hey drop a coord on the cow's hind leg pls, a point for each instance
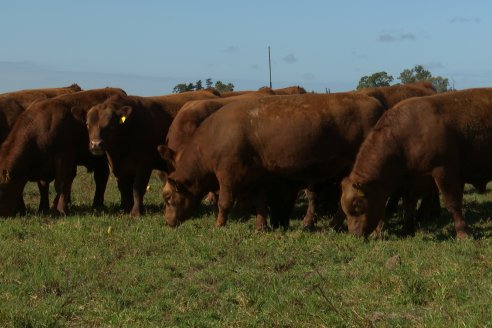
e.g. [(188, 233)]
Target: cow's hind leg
[(225, 203), (452, 191)]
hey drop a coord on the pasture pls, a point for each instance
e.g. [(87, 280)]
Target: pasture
[(105, 269)]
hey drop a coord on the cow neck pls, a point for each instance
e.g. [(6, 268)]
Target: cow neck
[(192, 173), (379, 160)]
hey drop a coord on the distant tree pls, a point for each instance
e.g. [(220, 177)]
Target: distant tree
[(419, 73), (219, 86), (222, 87), (379, 79), (181, 87)]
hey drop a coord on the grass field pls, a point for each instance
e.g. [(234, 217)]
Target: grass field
[(104, 269)]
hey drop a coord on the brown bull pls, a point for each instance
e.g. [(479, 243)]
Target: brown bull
[(46, 143), (300, 139), (128, 130), (446, 136)]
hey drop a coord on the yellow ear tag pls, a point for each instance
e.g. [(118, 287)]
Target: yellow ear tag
[(122, 119), (360, 193)]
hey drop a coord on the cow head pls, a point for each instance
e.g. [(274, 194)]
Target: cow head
[(105, 123), (179, 201), (363, 207)]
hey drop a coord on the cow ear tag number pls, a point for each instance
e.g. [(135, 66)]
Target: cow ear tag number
[(122, 119)]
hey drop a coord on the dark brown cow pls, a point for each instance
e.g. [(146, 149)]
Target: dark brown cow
[(446, 136), (28, 96), (330, 192), (46, 143), (303, 139), (12, 104), (129, 129)]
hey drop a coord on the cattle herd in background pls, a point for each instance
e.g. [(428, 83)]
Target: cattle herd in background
[(255, 148)]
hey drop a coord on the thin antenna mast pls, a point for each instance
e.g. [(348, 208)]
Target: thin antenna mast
[(270, 66)]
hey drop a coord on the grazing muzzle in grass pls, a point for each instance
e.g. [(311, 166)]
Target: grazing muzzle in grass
[(363, 207), (179, 202)]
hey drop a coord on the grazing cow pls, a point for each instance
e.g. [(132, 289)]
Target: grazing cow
[(330, 192), (46, 143), (446, 136), (299, 139), (128, 130)]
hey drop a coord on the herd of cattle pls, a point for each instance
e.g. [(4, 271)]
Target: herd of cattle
[(258, 148)]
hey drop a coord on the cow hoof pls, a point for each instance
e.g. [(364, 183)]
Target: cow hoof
[(263, 228), (462, 235), (309, 227)]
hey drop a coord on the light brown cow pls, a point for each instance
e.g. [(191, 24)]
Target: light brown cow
[(298, 139)]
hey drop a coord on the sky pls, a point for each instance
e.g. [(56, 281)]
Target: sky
[(148, 46)]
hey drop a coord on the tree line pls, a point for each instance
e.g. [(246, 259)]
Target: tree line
[(198, 85), (416, 74)]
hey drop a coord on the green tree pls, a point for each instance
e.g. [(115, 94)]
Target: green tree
[(222, 87), (379, 79), (198, 85), (181, 87), (208, 83), (419, 73)]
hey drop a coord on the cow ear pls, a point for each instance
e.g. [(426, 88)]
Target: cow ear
[(166, 153), (5, 176), (123, 113), (79, 113)]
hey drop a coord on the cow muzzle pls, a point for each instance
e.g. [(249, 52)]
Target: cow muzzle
[(96, 146)]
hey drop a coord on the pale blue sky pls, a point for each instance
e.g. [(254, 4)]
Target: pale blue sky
[(146, 47)]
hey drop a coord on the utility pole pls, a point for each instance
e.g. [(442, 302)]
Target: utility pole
[(270, 66)]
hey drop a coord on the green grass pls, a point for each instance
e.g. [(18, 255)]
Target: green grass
[(105, 269)]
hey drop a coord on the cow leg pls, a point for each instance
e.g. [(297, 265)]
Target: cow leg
[(225, 203), (310, 217), (125, 187), (65, 173), (430, 206), (139, 188), (281, 198), (44, 197), (21, 207), (261, 211), (101, 176), (409, 204), (452, 191), (392, 204)]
